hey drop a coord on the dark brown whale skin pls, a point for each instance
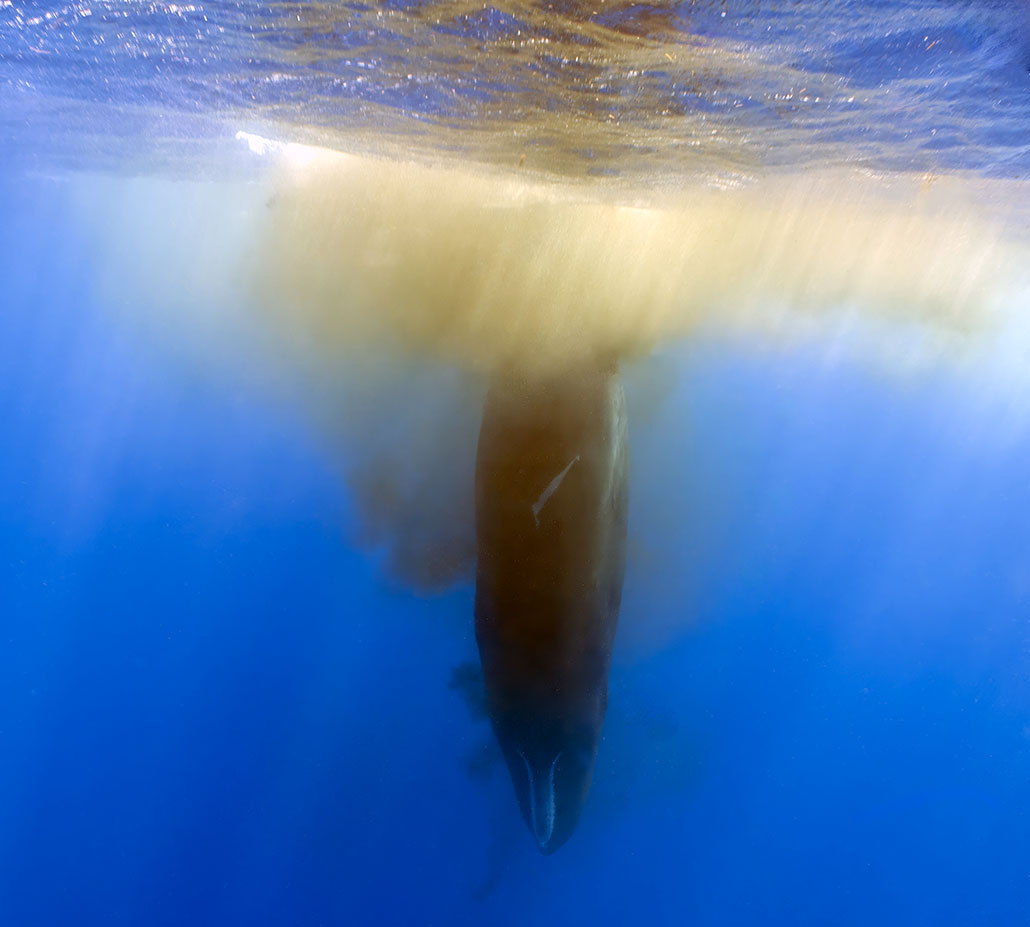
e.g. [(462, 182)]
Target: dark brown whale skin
[(551, 506)]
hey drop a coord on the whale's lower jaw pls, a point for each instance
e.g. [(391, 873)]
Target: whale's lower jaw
[(541, 802), (551, 786)]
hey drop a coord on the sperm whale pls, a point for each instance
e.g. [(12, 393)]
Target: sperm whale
[(551, 506)]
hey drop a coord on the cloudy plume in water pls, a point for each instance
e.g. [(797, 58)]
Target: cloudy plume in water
[(389, 293), (487, 270)]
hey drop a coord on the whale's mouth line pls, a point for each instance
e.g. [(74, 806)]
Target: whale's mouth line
[(541, 806)]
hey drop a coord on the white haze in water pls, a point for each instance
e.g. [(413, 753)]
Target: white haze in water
[(485, 270), (385, 294)]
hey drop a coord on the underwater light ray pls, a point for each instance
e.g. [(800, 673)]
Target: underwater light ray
[(352, 278)]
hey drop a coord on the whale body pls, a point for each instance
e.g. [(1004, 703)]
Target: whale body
[(551, 505)]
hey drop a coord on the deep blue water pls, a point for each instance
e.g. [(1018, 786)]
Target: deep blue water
[(218, 705), (215, 710)]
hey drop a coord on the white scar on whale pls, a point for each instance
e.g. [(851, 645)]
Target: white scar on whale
[(550, 490)]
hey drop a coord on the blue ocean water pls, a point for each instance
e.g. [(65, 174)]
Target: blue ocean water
[(220, 705)]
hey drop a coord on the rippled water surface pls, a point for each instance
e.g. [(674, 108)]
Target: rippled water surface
[(596, 88)]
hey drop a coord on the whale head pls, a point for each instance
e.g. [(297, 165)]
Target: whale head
[(551, 762)]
